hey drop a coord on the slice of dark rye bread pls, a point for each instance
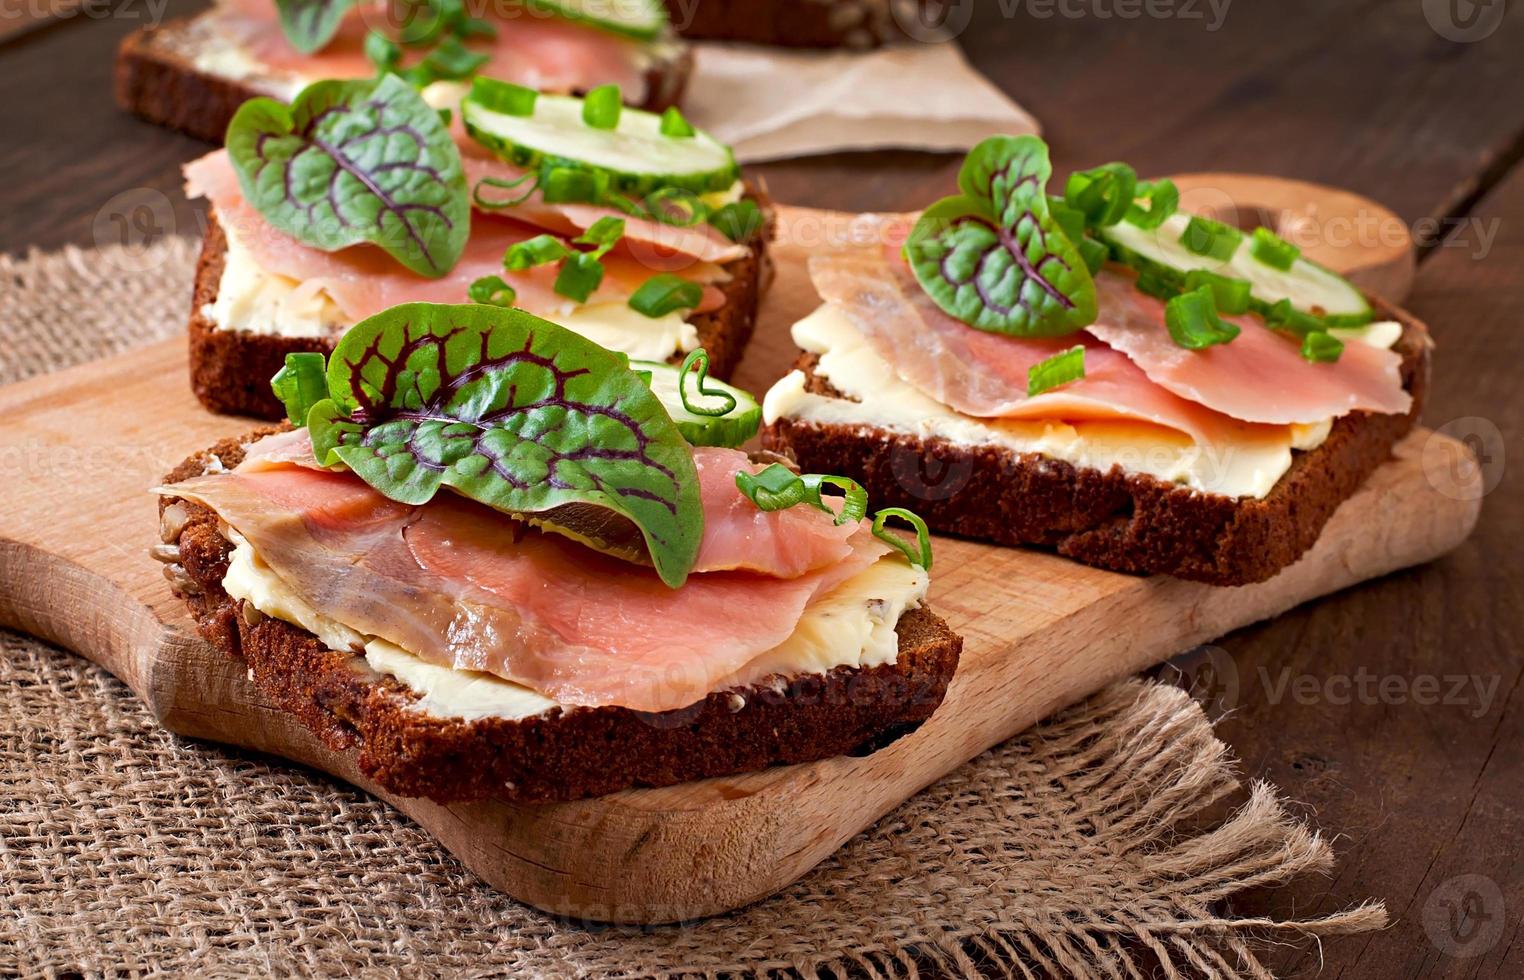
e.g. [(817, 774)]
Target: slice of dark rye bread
[(562, 755), (1112, 519), (794, 23), (156, 78), (230, 370)]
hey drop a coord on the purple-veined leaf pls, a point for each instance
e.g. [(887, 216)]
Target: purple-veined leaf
[(512, 411), (351, 162), (993, 256), (311, 24)]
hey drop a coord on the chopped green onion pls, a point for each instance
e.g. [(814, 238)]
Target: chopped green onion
[(446, 116), (300, 384), (854, 504), (674, 125), (1093, 252), (775, 488), (1163, 200), (501, 183), (675, 206), (580, 275), (492, 291), (1212, 239), (604, 234), (1231, 295), (1060, 369), (666, 293), (698, 360), (1284, 316), (1273, 250), (921, 556), (423, 21), (601, 107), (1322, 347), (474, 27), (778, 488), (452, 61), (504, 97), (739, 221), (1070, 220), (1156, 286), (1193, 322), (1103, 195), (573, 185), (539, 250), (382, 52)]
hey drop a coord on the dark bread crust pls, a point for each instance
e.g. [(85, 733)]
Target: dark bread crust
[(1112, 519), (230, 370), (563, 755), (788, 23), (156, 78)]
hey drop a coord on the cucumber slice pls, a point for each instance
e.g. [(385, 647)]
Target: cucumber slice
[(643, 20), (635, 155), (731, 429), (1310, 287)]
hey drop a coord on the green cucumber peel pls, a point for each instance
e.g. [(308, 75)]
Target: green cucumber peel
[(994, 256), (356, 162), (511, 411)]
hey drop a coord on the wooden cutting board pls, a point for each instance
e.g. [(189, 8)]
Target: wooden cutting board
[(81, 449)]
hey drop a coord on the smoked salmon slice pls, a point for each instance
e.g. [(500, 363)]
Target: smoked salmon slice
[(463, 586), (985, 374), (531, 48), (363, 280), (1260, 376)]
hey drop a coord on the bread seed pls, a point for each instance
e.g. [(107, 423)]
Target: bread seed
[(166, 553), (172, 522)]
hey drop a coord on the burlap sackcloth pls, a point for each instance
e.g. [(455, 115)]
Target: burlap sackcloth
[(125, 850)]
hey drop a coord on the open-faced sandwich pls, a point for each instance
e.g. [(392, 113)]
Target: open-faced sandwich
[(795, 23), (1103, 374), (631, 228), (500, 560), (192, 75)]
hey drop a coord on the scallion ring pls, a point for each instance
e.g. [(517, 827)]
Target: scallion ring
[(699, 360), (775, 488), (501, 184), (854, 503), (922, 535)]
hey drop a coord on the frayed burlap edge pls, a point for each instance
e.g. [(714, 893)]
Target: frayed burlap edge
[(1073, 849)]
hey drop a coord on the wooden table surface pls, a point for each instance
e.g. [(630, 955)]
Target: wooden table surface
[(1392, 713)]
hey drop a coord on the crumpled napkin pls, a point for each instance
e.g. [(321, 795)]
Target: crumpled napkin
[(770, 104)]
